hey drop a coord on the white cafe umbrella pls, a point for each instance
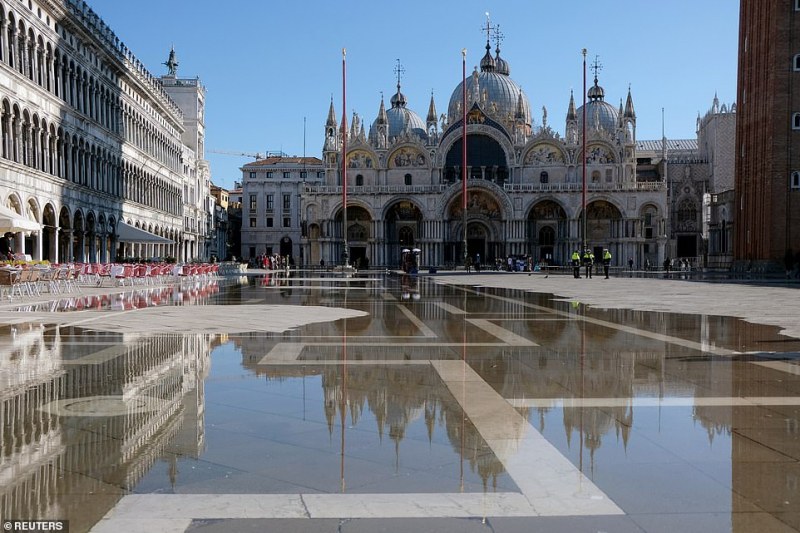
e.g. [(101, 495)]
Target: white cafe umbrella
[(11, 221)]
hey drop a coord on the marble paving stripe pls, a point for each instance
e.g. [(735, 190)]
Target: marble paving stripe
[(388, 296), (424, 329), (288, 353), (749, 401), (452, 309), (350, 362), (510, 338), (142, 525), (699, 346), (283, 352), (553, 485), (782, 366), (159, 508)]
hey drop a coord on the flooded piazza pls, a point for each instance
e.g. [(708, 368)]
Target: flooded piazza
[(382, 402)]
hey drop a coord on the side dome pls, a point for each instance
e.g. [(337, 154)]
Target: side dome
[(599, 113), (399, 119)]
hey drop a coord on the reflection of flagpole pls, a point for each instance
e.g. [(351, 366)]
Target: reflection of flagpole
[(345, 254), (343, 403), (463, 385), (464, 149), (583, 157)]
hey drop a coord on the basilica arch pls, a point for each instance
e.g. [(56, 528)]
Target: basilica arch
[(604, 228), (547, 230), (360, 234), (402, 221), (489, 156), (484, 232)]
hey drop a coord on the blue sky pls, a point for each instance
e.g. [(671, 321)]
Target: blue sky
[(271, 66)]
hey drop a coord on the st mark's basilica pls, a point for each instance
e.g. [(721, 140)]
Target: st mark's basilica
[(525, 181)]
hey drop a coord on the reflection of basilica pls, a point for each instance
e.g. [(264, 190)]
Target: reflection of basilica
[(525, 180), (86, 413)]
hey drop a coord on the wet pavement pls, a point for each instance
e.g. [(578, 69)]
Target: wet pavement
[(492, 402)]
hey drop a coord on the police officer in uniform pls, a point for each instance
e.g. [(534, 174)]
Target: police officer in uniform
[(606, 261), (576, 264), (588, 262)]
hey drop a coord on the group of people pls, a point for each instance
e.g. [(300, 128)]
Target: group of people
[(587, 259), (275, 262)]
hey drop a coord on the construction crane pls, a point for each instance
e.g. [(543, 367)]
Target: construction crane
[(256, 155)]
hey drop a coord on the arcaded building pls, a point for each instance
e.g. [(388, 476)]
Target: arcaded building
[(105, 157)]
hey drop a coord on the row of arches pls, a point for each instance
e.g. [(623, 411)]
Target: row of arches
[(32, 141), (551, 229), (79, 235), (54, 70)]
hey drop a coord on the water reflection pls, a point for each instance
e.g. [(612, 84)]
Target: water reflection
[(89, 416), (75, 437)]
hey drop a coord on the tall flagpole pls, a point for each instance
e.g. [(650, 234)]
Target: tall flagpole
[(583, 157), (464, 149), (345, 253)]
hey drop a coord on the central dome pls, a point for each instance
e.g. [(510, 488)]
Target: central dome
[(498, 95)]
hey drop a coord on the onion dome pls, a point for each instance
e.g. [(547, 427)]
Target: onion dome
[(501, 66)]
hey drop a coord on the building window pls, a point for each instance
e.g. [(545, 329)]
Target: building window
[(270, 202), (287, 222), (797, 5), (252, 251), (303, 175), (359, 180), (269, 222), (596, 176), (795, 180), (252, 201), (252, 222), (408, 179), (320, 174), (796, 121), (252, 175), (544, 177), (609, 175), (287, 202), (797, 62), (269, 174), (287, 175)]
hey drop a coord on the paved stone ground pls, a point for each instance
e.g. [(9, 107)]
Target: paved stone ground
[(771, 303)]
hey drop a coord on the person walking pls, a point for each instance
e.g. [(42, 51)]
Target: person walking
[(630, 263), (606, 261), (588, 262), (576, 264)]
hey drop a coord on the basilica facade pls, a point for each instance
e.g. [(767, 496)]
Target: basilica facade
[(524, 183)]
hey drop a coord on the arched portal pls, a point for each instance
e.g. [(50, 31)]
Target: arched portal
[(286, 247), (484, 227), (403, 224), (547, 228), (359, 234), (603, 225)]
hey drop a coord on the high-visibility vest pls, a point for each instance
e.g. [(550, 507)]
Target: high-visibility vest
[(607, 256)]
